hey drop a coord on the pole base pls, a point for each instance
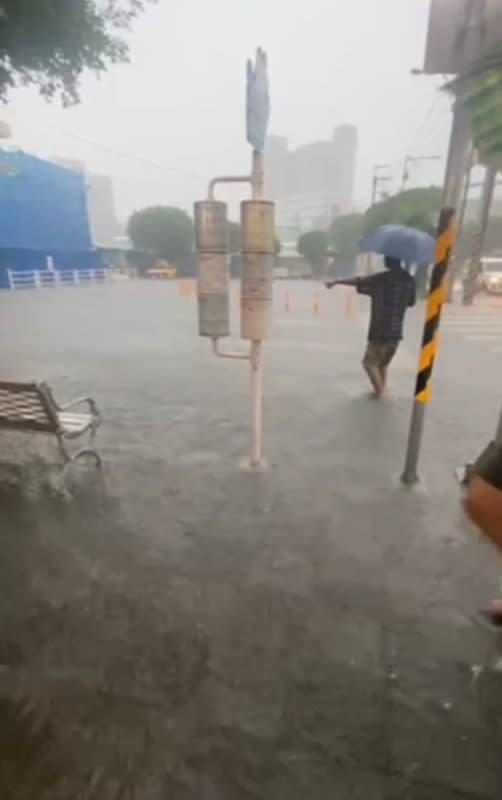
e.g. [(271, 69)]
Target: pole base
[(410, 482), (246, 465)]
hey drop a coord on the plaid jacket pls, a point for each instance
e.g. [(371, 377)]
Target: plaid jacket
[(391, 292)]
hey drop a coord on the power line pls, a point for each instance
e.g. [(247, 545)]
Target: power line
[(427, 132), (129, 156), (425, 121), (441, 119)]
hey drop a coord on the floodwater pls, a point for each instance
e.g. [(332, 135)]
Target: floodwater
[(176, 627)]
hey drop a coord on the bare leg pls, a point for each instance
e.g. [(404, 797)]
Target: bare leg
[(383, 377), (373, 374)]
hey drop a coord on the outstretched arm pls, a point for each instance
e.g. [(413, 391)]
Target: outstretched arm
[(343, 282)]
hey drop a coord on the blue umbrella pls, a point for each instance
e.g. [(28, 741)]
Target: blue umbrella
[(398, 241)]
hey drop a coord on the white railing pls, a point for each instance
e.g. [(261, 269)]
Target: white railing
[(41, 279)]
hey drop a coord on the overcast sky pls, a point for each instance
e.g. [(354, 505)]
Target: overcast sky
[(173, 117)]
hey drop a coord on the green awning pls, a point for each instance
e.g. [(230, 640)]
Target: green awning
[(480, 94)]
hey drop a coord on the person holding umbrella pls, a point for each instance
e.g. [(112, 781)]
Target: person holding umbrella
[(391, 292)]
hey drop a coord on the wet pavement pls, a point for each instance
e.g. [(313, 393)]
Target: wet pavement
[(189, 630)]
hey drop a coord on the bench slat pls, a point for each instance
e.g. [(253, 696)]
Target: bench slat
[(30, 406), (72, 423), (23, 406)]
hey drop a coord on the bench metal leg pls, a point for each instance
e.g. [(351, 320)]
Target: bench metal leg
[(83, 452)]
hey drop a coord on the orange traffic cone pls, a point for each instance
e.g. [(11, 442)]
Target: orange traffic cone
[(316, 307)]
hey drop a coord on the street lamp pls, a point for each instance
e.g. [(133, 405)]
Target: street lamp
[(414, 160)]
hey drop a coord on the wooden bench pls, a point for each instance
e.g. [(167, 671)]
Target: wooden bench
[(30, 406)]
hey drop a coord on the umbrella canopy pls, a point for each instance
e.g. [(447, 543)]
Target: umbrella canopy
[(398, 241)]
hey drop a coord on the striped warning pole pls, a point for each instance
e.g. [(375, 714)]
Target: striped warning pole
[(444, 246), (455, 171)]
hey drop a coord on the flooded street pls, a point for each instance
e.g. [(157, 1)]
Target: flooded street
[(185, 629)]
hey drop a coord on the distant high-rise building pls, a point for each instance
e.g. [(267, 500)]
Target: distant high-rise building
[(345, 147), (312, 184), (105, 228)]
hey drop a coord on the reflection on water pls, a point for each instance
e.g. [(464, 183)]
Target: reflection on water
[(34, 764), (31, 764)]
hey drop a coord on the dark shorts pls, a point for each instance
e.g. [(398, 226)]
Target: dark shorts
[(488, 465), (379, 354)]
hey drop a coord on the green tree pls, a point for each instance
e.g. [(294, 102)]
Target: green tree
[(313, 246), (417, 208), (344, 234), (49, 43), (493, 238), (162, 231)]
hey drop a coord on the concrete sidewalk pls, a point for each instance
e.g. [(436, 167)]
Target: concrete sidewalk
[(207, 633)]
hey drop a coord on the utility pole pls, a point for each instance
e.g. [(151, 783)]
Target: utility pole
[(479, 237), (455, 171), (454, 268), (444, 56), (378, 179), (408, 161)]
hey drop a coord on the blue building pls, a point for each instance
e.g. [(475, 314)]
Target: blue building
[(43, 217)]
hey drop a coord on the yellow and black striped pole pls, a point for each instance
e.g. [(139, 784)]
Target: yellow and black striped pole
[(435, 300), (455, 171)]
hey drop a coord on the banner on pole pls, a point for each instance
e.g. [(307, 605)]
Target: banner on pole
[(257, 101)]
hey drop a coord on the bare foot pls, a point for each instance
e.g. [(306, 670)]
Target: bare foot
[(374, 375)]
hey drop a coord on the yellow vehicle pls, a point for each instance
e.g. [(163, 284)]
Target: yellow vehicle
[(162, 271)]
